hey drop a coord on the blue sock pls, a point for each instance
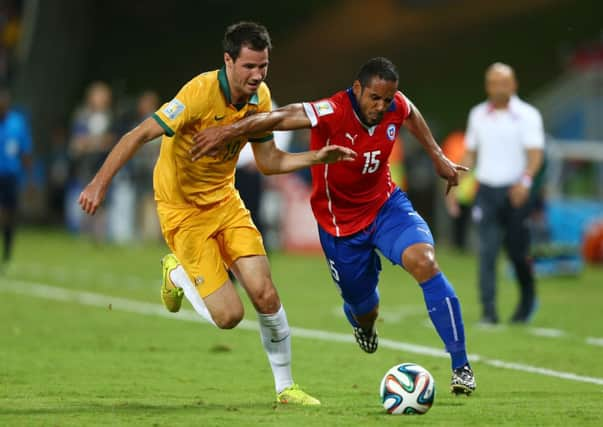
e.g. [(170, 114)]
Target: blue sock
[(348, 313), (445, 312), (360, 308)]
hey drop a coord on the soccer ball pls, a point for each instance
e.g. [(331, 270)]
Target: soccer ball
[(407, 389)]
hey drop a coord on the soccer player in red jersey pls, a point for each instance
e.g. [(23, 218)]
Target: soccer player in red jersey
[(359, 209)]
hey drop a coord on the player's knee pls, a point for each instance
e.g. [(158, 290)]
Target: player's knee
[(230, 319), (265, 299), (425, 268), (421, 263)]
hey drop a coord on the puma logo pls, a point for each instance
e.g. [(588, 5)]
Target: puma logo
[(423, 230), (351, 138)]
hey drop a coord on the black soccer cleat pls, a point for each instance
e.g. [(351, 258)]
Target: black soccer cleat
[(368, 343), (463, 381)]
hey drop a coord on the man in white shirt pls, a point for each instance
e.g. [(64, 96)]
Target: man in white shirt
[(505, 141)]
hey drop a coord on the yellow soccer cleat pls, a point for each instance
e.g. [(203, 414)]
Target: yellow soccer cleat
[(171, 295), (294, 394)]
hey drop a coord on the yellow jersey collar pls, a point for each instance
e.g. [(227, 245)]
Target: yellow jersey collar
[(223, 79)]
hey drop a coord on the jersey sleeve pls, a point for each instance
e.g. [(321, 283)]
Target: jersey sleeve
[(187, 106), (533, 130), (323, 114), (264, 106), (406, 105)]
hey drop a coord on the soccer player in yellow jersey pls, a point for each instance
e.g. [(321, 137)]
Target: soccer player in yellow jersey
[(202, 217)]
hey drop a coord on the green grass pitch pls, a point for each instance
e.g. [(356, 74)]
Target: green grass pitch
[(84, 341)]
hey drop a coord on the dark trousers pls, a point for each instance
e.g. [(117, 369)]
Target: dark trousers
[(460, 227), (8, 208), (250, 184), (499, 222)]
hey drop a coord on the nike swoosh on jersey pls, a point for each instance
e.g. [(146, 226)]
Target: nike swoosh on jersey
[(218, 118)]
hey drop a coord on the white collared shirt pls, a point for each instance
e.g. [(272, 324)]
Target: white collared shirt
[(501, 138)]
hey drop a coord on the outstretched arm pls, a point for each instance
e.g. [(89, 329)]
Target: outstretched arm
[(209, 141), (95, 191), (444, 167), (271, 160)]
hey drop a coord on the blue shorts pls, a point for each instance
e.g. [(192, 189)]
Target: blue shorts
[(353, 260)]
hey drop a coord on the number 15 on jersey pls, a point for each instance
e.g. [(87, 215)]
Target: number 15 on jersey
[(371, 161)]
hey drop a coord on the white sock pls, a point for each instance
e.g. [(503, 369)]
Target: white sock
[(276, 338), (180, 279)]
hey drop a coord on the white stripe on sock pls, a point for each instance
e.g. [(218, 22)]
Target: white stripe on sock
[(454, 331)]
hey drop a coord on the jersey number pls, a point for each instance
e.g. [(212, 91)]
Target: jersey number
[(334, 274), (371, 162), (334, 271)]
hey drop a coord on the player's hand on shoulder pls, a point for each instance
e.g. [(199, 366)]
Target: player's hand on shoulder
[(335, 153), (448, 170), (91, 197), (208, 142)]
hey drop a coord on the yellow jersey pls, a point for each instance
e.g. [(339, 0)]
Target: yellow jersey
[(203, 102)]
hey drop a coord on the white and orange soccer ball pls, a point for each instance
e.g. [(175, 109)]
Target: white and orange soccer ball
[(407, 389)]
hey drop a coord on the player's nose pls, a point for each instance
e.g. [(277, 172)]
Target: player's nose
[(257, 76), (381, 106)]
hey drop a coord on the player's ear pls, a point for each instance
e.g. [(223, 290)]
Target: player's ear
[(357, 88), (228, 60)]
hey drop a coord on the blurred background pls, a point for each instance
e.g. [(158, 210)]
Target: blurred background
[(84, 72)]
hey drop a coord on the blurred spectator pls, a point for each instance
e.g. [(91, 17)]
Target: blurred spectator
[(91, 139), (251, 185), (139, 172), (300, 141), (15, 154), (58, 172), (420, 179), (460, 200), (507, 136), (10, 32), (590, 54)]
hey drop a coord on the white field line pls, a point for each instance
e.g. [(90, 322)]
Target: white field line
[(131, 306), (595, 341), (108, 279), (388, 314), (547, 332)]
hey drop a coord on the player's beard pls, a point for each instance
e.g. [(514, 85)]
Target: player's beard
[(375, 121)]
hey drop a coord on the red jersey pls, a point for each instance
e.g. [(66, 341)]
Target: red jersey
[(346, 196)]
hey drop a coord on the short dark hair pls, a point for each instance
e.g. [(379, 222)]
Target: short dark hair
[(250, 34), (377, 67)]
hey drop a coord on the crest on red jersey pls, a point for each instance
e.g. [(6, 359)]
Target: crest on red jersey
[(391, 132)]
